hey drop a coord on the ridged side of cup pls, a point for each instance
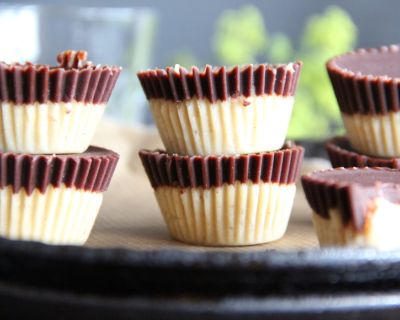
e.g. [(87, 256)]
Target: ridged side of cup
[(341, 154), (218, 111), (61, 215), (89, 171), (29, 83), (48, 128), (369, 104), (225, 200)]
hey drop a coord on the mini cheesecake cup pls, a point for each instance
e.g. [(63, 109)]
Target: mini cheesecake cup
[(225, 200), (53, 198), (45, 110), (366, 84), (355, 206), (222, 111), (341, 154)]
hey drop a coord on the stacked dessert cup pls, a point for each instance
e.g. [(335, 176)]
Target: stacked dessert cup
[(227, 176), (356, 203), (51, 180)]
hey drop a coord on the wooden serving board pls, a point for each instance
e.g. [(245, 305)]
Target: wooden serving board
[(130, 216)]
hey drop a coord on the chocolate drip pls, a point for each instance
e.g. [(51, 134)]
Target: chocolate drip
[(218, 83), (73, 59), (341, 154), (28, 83), (350, 190), (280, 166), (359, 93), (90, 171)]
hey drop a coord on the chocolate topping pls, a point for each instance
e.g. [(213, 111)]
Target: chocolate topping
[(74, 80), (280, 166), (73, 59), (367, 81), (90, 171), (342, 154), (350, 190), (219, 83), (382, 62)]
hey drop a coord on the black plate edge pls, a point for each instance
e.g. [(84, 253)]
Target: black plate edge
[(122, 272), (54, 305)]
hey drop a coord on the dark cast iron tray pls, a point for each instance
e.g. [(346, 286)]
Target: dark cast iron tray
[(66, 282)]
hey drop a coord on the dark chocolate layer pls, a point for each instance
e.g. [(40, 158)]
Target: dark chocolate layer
[(367, 81), (90, 171), (82, 82), (341, 154), (219, 83), (350, 190), (280, 166)]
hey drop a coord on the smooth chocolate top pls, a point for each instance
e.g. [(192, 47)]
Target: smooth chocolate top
[(91, 170), (220, 83), (74, 80), (350, 190), (367, 81), (375, 63), (280, 166), (359, 176), (341, 154)]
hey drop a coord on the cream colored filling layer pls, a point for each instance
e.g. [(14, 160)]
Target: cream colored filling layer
[(381, 229), (59, 216), (235, 126), (376, 135), (48, 128), (230, 215)]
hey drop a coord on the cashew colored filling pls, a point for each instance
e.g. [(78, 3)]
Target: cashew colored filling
[(374, 135), (60, 215), (235, 126), (380, 228), (232, 214), (48, 128)]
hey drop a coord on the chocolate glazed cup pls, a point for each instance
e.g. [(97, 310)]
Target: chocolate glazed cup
[(222, 111), (341, 154), (355, 206), (53, 198), (45, 110), (225, 200), (366, 86)]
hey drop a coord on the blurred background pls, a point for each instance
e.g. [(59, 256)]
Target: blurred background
[(148, 34)]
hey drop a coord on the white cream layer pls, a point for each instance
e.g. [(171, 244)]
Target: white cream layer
[(230, 215), (236, 126), (59, 216), (375, 135), (381, 229), (48, 128)]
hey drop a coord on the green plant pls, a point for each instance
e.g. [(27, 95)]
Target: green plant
[(240, 36), (325, 35), (316, 113)]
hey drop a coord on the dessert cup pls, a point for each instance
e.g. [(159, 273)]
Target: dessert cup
[(225, 200), (341, 154), (219, 111), (355, 206), (46, 110), (366, 84), (53, 198)]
